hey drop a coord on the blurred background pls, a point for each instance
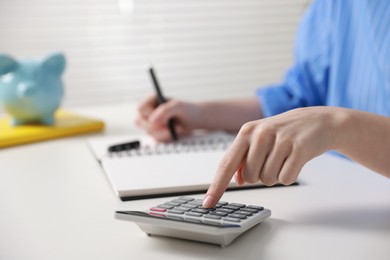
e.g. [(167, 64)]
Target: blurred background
[(200, 49)]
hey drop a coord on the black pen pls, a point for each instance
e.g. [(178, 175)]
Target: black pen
[(160, 100), (124, 146)]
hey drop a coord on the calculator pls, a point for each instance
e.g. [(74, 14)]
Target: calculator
[(185, 218)]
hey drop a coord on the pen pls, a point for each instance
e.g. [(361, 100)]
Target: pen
[(160, 100), (124, 146)]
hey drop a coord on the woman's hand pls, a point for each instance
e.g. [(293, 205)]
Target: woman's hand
[(274, 150), (154, 119)]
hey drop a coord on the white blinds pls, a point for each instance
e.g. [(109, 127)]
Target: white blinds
[(199, 48)]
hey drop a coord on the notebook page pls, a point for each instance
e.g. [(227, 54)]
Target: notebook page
[(163, 168)]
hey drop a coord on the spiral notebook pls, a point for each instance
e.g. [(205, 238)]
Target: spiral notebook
[(163, 169)]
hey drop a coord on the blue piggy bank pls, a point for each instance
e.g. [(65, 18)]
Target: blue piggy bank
[(31, 90)]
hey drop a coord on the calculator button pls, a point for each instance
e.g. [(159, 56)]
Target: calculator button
[(250, 210), (226, 210), (212, 216), (164, 206), (232, 219), (180, 201), (231, 207), (237, 216), (194, 220), (173, 211), (255, 207), (213, 223), (189, 206), (196, 202), (209, 209), (203, 211), (237, 205), (218, 213), (193, 214), (175, 217), (245, 213), (157, 209), (200, 207), (170, 203), (223, 203), (186, 198), (157, 215), (182, 208)]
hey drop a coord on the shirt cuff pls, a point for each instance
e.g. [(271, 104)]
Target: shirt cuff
[(274, 100)]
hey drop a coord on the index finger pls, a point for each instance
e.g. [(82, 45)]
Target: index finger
[(228, 165)]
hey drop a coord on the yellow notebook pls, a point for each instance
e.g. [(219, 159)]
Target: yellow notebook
[(66, 124)]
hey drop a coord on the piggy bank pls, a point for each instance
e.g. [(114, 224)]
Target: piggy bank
[(31, 90)]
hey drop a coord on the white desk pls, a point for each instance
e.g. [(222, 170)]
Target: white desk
[(56, 203)]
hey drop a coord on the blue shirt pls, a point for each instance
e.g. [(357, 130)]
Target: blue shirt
[(342, 58)]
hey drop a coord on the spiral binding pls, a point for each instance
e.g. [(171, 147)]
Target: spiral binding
[(199, 145)]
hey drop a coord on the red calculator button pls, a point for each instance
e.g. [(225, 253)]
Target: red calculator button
[(158, 209)]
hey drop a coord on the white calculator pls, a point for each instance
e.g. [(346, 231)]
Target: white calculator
[(185, 218)]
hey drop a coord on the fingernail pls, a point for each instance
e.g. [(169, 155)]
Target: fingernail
[(207, 201)]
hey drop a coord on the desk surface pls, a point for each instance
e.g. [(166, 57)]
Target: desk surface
[(56, 203)]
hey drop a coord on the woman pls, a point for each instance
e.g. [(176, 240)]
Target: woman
[(335, 97)]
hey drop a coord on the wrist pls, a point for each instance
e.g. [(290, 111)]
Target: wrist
[(207, 112), (341, 121), (199, 114)]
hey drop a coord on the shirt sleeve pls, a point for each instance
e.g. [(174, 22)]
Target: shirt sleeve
[(305, 84)]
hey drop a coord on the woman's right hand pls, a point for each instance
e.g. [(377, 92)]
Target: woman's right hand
[(154, 118)]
